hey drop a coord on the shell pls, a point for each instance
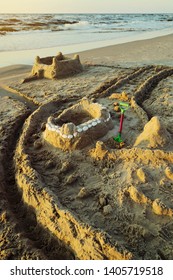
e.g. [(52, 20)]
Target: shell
[(79, 129), (98, 120), (94, 123), (69, 136), (85, 128)]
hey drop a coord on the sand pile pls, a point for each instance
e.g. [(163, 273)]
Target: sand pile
[(154, 135)]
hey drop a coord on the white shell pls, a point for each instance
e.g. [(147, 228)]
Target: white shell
[(90, 124), (97, 120), (85, 128), (94, 123), (70, 136), (75, 134), (79, 129)]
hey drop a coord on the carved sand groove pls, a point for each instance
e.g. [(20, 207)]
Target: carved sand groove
[(11, 218), (30, 103), (144, 91), (36, 240), (139, 110), (117, 83)]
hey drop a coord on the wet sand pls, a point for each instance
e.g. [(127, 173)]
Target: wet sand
[(105, 201)]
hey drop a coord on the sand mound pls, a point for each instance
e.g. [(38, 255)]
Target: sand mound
[(154, 135)]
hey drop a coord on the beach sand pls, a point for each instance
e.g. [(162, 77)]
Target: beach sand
[(107, 200), (149, 51)]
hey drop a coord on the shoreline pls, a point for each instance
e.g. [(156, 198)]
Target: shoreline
[(138, 49)]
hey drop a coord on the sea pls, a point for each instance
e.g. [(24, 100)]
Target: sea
[(47, 34)]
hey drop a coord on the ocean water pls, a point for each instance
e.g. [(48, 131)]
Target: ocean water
[(75, 32)]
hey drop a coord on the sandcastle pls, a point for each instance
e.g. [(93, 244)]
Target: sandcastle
[(78, 126), (54, 67)]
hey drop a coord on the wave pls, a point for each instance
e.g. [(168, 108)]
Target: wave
[(77, 26), (35, 22), (11, 24), (112, 30), (6, 29)]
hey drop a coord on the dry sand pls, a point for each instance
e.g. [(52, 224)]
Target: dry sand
[(157, 50), (104, 201)]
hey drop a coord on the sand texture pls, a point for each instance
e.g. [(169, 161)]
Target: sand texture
[(102, 201)]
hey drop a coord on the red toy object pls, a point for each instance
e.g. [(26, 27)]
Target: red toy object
[(123, 107)]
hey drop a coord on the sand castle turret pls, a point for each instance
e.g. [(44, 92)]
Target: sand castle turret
[(78, 126)]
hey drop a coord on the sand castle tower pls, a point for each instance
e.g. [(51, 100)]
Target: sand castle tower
[(54, 67), (78, 126)]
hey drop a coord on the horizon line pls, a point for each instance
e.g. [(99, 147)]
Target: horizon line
[(143, 13)]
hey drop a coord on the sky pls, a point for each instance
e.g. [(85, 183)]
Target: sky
[(86, 6)]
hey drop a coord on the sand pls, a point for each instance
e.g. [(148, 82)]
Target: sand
[(106, 200), (157, 50)]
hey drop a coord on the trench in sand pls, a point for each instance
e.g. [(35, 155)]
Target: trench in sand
[(15, 96), (34, 237)]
